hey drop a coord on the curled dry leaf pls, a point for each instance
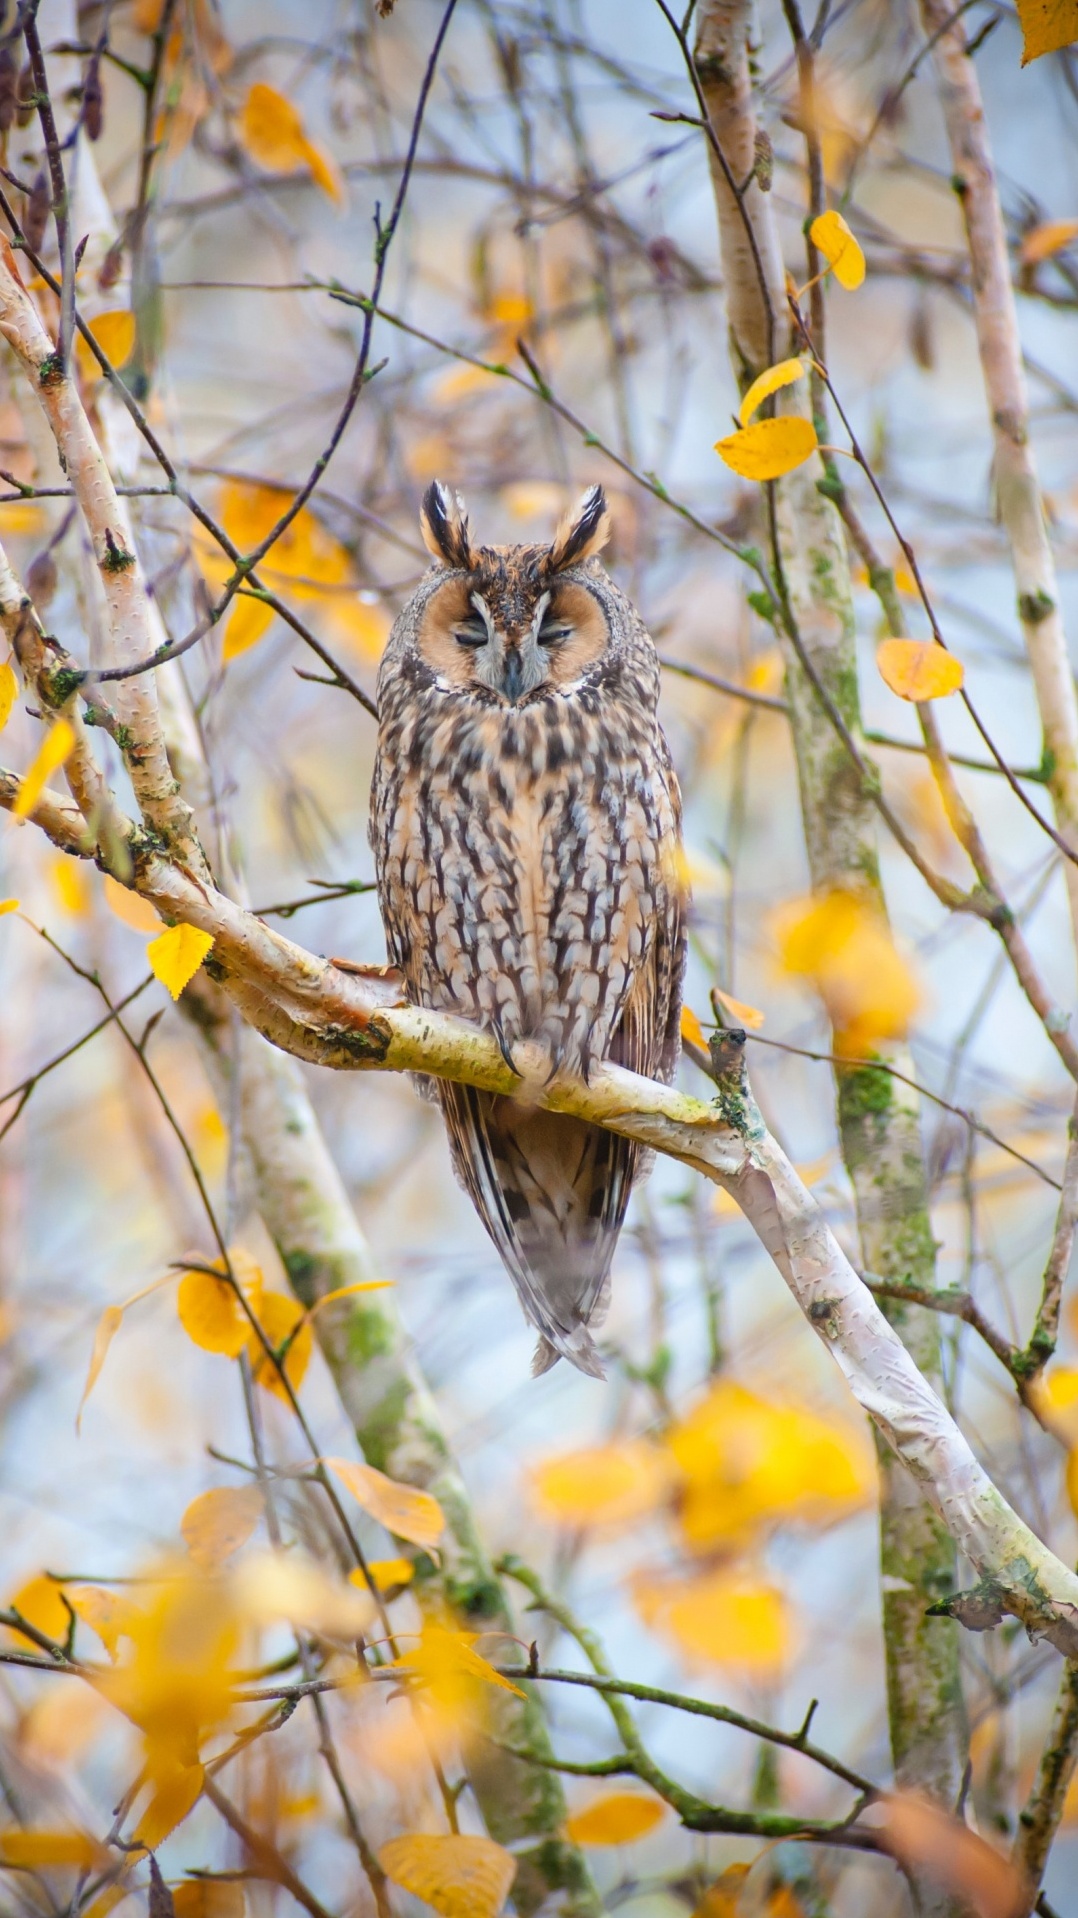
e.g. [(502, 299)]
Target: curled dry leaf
[(176, 955), (830, 234), (219, 1521), (459, 1877), (918, 669), (615, 1819), (784, 374), (613, 1484), (404, 1511), (925, 1839), (55, 749), (768, 448), (107, 1327)]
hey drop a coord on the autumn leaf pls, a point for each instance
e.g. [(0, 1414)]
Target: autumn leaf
[(209, 1898), (270, 1586), (1047, 25), (37, 1850), (722, 1899), (445, 1662), (784, 374), (404, 1511), (360, 624), (40, 1601), (211, 1314), (691, 1029), (918, 669), (248, 620), (109, 1614), (615, 1819), (115, 335), (925, 1839), (176, 1678), (721, 1617), (768, 448), (460, 1877), (107, 1327), (740, 1013), (830, 234), (1044, 241), (282, 1319), (176, 955), (129, 907), (613, 1484), (219, 1521), (21, 516), (844, 947), (9, 693), (272, 130), (176, 1794), (55, 749), (8, 905), (71, 886), (389, 1574)]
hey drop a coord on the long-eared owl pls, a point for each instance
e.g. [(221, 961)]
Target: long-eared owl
[(525, 823)]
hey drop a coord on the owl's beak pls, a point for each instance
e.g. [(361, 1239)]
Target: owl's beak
[(513, 674), (524, 667)]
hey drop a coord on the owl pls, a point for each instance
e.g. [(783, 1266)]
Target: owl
[(525, 823)]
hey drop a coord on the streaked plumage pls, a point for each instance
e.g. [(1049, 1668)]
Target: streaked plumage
[(525, 823)]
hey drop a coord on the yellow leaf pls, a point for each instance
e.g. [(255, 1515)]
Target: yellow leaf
[(832, 236), (36, 1850), (926, 1839), (918, 669), (1072, 1478), (219, 1521), (721, 1900), (387, 1573), (107, 1613), (601, 1484), (324, 171), (268, 1586), (721, 1617), (360, 624), (769, 448), (1047, 25), (60, 1724), (211, 1314), (107, 1327), (1056, 1398), (40, 1602), (272, 130), (56, 747), (535, 499), (691, 1029), (19, 516), (784, 374), (445, 1661), (176, 1794), (8, 905), (281, 1318), (71, 886), (1041, 242), (209, 1898), (459, 1877), (348, 1291), (115, 335), (404, 1511), (615, 1819), (135, 912), (9, 691), (176, 1681), (740, 1013), (247, 621), (176, 955), (844, 947)]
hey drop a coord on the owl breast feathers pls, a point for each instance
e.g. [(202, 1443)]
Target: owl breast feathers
[(525, 823)]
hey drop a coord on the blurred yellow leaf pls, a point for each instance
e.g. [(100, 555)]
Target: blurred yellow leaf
[(175, 1680), (720, 1617), (615, 1819), (924, 1838), (844, 947), (611, 1484), (1047, 25), (1042, 241), (784, 374), (691, 1029), (209, 1898), (9, 691), (219, 1521), (40, 1602), (176, 1794), (248, 620), (404, 1511), (842, 252), (348, 1292), (918, 669), (281, 1318), (360, 624), (115, 335), (211, 1314), (272, 130), (107, 1901), (127, 905), (62, 1721), (386, 1573), (720, 1900), (740, 1013), (56, 747), (109, 1614), (768, 448), (270, 1586), (176, 955), (1072, 1478), (8, 905), (36, 1850), (459, 1877), (20, 516), (445, 1662), (534, 499), (107, 1327), (71, 885)]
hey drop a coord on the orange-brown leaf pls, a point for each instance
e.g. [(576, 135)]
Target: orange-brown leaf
[(1047, 25), (404, 1511), (925, 1839), (918, 669), (107, 1327), (617, 1818), (219, 1521), (459, 1877)]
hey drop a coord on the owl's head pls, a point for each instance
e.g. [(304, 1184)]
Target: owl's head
[(512, 622)]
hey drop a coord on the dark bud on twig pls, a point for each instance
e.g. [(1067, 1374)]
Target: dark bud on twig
[(111, 266), (384, 8), (160, 1899), (93, 101), (764, 168), (25, 96), (41, 579), (9, 76), (36, 218), (80, 250)]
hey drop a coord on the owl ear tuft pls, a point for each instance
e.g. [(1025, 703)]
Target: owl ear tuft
[(443, 523), (582, 531)]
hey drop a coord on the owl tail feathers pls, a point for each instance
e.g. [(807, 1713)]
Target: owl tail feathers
[(579, 1348)]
